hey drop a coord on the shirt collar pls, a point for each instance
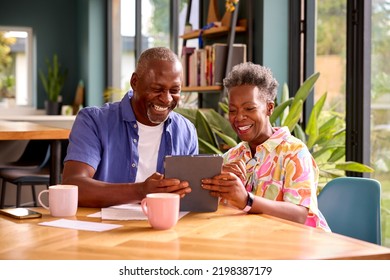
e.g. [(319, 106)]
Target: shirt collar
[(127, 111), (280, 134)]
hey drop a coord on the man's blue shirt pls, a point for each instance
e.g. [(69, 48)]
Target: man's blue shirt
[(106, 138)]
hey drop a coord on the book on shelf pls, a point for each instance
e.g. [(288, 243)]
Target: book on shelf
[(207, 67), (219, 60), (192, 69), (185, 56)]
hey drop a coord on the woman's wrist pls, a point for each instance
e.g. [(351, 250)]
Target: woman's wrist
[(249, 202)]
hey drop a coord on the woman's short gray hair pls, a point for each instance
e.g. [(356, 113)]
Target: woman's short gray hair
[(157, 53), (248, 73)]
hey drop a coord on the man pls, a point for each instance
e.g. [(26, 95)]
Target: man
[(116, 152)]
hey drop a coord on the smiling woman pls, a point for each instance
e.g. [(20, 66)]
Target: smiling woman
[(16, 77)]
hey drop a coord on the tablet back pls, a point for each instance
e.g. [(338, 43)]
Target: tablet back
[(193, 169)]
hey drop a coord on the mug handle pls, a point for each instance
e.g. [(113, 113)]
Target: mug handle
[(144, 207), (40, 201)]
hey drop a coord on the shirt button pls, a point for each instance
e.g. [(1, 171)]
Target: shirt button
[(135, 140), (133, 165), (135, 126)]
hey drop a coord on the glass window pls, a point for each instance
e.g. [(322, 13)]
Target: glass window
[(380, 106), (330, 62), (154, 19), (330, 53), (16, 67)]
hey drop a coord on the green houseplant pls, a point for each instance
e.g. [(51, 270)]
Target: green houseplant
[(324, 134), (53, 82)]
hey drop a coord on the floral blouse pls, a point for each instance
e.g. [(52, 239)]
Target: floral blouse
[(282, 169)]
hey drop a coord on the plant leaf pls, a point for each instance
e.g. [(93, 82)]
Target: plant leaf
[(228, 140), (188, 113), (298, 132), (285, 97), (294, 115), (337, 154), (218, 122), (204, 130), (206, 148), (279, 110), (312, 129), (305, 89), (224, 107), (354, 167), (330, 174)]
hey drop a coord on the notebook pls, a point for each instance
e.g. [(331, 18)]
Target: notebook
[(193, 168)]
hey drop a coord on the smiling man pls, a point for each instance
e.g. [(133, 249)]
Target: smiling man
[(116, 152)]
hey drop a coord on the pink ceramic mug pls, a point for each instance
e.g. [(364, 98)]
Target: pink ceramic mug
[(162, 209), (63, 200)]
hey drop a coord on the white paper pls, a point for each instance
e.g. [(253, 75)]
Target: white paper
[(125, 212), (80, 225), (122, 214)]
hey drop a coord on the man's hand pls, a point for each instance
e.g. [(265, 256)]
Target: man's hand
[(157, 184)]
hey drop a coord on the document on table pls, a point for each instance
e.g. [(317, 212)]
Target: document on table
[(124, 212), (80, 225)]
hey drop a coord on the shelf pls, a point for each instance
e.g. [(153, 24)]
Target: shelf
[(201, 89), (214, 31)]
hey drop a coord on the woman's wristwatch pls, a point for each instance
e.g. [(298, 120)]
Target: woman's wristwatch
[(249, 202)]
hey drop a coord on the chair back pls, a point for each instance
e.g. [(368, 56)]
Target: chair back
[(351, 206), (37, 152)]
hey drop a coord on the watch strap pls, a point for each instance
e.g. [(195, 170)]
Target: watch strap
[(249, 202)]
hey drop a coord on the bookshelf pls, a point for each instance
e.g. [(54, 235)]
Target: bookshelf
[(201, 89), (229, 26), (216, 31)]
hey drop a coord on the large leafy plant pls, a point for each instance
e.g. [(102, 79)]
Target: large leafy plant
[(215, 135), (324, 134)]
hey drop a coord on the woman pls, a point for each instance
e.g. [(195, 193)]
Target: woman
[(270, 171)]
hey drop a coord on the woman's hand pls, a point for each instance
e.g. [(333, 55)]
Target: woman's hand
[(227, 185), (236, 167)]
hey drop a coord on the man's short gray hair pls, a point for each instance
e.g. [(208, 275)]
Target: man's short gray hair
[(157, 53)]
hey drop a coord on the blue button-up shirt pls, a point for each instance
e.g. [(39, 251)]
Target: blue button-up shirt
[(106, 138)]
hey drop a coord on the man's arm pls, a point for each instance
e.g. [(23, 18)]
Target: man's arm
[(94, 193)]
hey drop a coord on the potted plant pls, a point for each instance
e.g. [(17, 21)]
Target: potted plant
[(53, 82), (7, 87)]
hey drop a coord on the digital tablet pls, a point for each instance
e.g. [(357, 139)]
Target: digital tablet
[(193, 169)]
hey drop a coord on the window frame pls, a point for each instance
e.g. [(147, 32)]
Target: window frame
[(30, 75)]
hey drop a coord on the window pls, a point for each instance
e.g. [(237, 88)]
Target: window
[(16, 86), (330, 53), (380, 106), (127, 40)]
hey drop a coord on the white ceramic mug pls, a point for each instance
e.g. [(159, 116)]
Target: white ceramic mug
[(63, 200), (162, 209)]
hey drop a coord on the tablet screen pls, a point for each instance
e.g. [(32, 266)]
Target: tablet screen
[(194, 168)]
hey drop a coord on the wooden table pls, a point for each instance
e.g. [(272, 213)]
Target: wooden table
[(222, 235), (32, 131)]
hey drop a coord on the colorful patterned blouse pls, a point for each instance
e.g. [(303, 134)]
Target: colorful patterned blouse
[(284, 170)]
